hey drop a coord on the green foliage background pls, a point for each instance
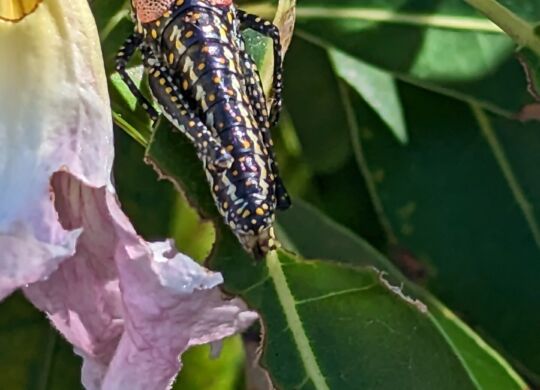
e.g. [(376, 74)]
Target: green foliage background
[(400, 145)]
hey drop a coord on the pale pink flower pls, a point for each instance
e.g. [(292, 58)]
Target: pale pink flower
[(130, 308)]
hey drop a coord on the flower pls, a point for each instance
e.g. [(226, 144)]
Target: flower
[(129, 307)]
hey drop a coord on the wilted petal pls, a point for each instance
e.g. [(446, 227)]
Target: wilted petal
[(130, 308), (171, 303)]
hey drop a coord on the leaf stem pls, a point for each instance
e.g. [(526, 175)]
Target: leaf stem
[(518, 29)]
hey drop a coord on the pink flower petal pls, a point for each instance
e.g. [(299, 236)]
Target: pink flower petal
[(54, 114), (130, 308)]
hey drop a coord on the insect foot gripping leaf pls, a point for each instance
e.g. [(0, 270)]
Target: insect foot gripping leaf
[(130, 308)]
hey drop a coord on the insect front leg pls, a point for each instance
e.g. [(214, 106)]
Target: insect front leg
[(123, 56), (176, 109), (269, 30)]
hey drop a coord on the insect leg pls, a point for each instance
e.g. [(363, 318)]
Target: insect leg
[(177, 110), (123, 56), (258, 103), (269, 30)]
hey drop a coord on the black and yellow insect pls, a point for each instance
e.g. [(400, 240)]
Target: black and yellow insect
[(208, 87)]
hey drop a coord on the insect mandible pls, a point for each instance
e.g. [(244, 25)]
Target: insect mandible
[(207, 85)]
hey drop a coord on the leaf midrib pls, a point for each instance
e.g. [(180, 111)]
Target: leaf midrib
[(294, 322)]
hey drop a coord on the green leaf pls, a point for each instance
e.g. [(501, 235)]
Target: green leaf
[(378, 89), (462, 197), (522, 32), (313, 234), (37, 356), (312, 310), (444, 45), (344, 326), (316, 108)]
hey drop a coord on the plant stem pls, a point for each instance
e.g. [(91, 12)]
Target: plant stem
[(518, 29)]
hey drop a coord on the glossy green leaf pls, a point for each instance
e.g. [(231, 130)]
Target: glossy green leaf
[(462, 196), (311, 233), (344, 326), (313, 310), (315, 107), (443, 45), (376, 87)]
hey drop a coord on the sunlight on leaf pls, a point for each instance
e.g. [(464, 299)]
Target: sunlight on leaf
[(378, 89)]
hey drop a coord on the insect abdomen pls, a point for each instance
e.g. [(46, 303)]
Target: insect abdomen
[(200, 46)]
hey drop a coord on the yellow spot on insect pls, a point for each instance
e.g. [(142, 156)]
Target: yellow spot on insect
[(179, 2), (253, 221), (246, 214), (171, 58), (189, 34), (174, 98), (216, 79), (245, 143), (168, 89), (211, 98), (162, 81), (167, 14), (216, 188), (158, 23), (157, 73), (201, 66), (178, 44), (235, 173), (225, 205), (185, 84), (229, 148), (154, 33), (259, 211), (264, 206), (191, 123)]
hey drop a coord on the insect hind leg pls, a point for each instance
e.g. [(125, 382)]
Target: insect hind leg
[(176, 109), (258, 103)]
